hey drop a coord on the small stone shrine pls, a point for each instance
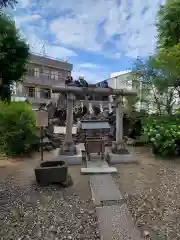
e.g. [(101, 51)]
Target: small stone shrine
[(72, 153)]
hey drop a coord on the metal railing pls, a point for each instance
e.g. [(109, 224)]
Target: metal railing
[(43, 79)]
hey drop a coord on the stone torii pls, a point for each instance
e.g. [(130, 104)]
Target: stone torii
[(71, 91)]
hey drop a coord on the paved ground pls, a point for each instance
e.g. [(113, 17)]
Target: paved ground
[(116, 223), (152, 192), (28, 211), (115, 220)]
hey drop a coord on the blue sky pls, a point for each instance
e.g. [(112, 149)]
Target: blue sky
[(97, 36)]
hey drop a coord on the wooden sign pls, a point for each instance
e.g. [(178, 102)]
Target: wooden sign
[(41, 118)]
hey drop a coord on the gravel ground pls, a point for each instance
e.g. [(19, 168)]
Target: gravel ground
[(152, 191), (28, 211)]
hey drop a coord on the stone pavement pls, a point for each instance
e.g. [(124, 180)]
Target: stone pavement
[(115, 223), (104, 188), (115, 220)]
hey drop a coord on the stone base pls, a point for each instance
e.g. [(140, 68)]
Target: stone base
[(71, 159), (98, 167), (120, 158)]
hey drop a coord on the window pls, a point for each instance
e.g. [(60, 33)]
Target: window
[(59, 75), (45, 93), (31, 92), (36, 72), (63, 75), (54, 75), (47, 73), (31, 72), (41, 70)]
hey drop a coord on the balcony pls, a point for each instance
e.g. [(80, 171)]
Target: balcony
[(43, 80), (38, 100)]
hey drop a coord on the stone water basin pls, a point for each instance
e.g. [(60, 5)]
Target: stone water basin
[(51, 172)]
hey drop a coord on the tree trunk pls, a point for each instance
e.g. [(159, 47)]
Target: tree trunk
[(5, 93)]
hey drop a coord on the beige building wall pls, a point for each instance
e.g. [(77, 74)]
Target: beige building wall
[(43, 72)]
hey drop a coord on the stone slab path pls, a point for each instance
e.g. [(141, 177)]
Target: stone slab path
[(104, 189), (115, 223), (115, 220)]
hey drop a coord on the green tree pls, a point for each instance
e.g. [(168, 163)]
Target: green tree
[(7, 3), (158, 81), (168, 24), (14, 55), (169, 61)]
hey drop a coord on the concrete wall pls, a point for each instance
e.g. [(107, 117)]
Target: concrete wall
[(43, 72)]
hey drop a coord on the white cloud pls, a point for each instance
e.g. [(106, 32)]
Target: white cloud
[(136, 31), (80, 27), (51, 50), (77, 24), (101, 26), (24, 3), (76, 31), (29, 18), (89, 65), (91, 72), (90, 76), (36, 46)]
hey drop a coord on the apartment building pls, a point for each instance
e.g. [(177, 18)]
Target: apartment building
[(43, 72), (119, 80), (124, 79)]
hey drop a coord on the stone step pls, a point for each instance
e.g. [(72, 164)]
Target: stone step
[(116, 223), (104, 189), (98, 170), (97, 163)]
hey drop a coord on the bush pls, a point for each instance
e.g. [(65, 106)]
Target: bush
[(163, 133), (17, 128), (133, 124)]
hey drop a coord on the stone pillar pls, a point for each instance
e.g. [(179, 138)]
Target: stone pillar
[(69, 117), (37, 92), (90, 107), (101, 106), (68, 145), (82, 104), (109, 106), (86, 102), (119, 120), (118, 147)]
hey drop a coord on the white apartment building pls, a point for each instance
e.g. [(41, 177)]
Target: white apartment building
[(124, 79)]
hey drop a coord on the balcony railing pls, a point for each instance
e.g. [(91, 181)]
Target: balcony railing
[(38, 100), (43, 80)]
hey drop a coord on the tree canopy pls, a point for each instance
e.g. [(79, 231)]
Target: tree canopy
[(159, 77), (14, 54), (7, 3), (168, 24), (160, 73)]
